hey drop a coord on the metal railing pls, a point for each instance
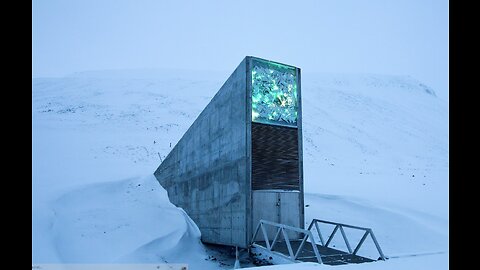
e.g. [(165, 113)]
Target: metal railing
[(308, 235), (281, 228), (340, 226)]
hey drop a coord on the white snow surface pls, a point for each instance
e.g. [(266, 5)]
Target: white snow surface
[(375, 155)]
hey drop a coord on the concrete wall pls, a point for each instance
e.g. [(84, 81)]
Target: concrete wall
[(206, 172), (300, 149)]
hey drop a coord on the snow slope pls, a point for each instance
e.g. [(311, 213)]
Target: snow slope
[(375, 155)]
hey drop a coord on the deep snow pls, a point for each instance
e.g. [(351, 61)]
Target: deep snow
[(375, 155)]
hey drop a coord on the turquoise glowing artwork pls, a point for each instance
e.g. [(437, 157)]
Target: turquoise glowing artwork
[(274, 94)]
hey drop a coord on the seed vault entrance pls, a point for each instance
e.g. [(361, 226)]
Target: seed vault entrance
[(241, 159), (276, 161), (275, 175), (238, 170)]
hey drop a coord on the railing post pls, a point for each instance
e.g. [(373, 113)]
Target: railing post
[(315, 249), (301, 245), (256, 231), (265, 236), (331, 236), (319, 233), (275, 238), (361, 242), (311, 224), (376, 244), (287, 241), (345, 239)]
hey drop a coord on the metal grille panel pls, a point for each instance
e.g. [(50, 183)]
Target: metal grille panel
[(274, 157)]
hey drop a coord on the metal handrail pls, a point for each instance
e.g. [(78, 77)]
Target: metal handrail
[(283, 229), (308, 235), (340, 226)]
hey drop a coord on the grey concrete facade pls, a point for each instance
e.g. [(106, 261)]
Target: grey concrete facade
[(208, 172)]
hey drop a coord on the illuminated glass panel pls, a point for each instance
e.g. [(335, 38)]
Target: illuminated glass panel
[(274, 93)]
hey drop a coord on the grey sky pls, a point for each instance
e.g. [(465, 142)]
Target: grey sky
[(404, 37)]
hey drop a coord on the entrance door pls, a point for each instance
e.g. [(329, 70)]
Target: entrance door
[(277, 206)]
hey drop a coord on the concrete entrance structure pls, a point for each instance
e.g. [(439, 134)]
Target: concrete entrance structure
[(241, 159)]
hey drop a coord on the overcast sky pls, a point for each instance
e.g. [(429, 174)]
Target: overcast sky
[(404, 37)]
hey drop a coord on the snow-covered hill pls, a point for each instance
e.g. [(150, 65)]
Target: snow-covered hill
[(375, 154)]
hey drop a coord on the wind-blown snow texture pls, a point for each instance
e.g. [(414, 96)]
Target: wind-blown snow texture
[(375, 155)]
